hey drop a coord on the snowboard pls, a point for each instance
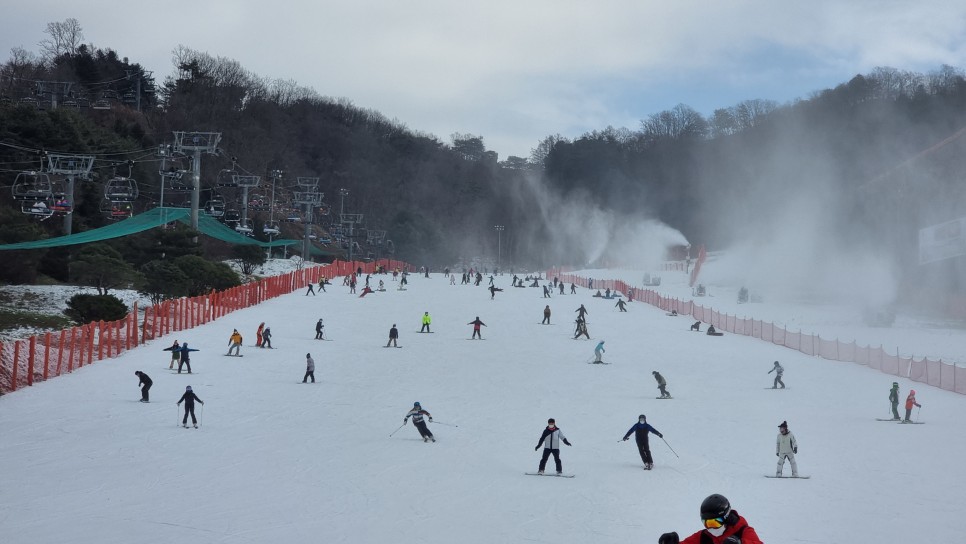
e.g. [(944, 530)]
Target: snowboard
[(425, 332), (896, 420), (788, 477), (476, 338), (664, 398), (227, 355), (597, 363), (776, 388), (715, 334), (400, 347), (911, 422), (183, 372), (550, 474)]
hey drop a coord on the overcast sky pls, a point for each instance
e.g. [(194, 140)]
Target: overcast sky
[(515, 72)]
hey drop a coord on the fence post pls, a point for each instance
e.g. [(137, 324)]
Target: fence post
[(61, 349), (31, 344), (70, 357), (100, 340), (46, 355), (90, 342), (13, 372)]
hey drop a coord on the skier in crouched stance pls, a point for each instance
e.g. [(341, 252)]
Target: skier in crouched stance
[(722, 525), (417, 414), (550, 439)]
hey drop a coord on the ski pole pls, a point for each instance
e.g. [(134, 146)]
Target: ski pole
[(177, 413), (394, 432), (917, 412), (670, 448), (447, 424), (201, 416)]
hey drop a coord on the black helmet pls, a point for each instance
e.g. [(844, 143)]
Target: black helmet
[(715, 506), (642, 416)]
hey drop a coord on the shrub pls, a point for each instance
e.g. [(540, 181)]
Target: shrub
[(84, 308)]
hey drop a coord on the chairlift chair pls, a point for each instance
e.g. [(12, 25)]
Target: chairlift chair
[(245, 227), (37, 208), (226, 178), (116, 209), (129, 97), (231, 217), (271, 228), (215, 207), (32, 185), (121, 189)]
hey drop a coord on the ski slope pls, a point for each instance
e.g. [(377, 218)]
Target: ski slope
[(279, 461)]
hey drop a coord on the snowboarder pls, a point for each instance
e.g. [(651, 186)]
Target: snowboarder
[(661, 384), (779, 370), (573, 288), (622, 305), (696, 326), (641, 430), (175, 350), (894, 400), (561, 285), (393, 336), (417, 414), (311, 290), (319, 329), (185, 359), (322, 282), (235, 342), (267, 338), (476, 327), (189, 399), (598, 352), (426, 321), (550, 439), (785, 448), (309, 368), (145, 384), (910, 402), (382, 286), (258, 335), (546, 315), (493, 290), (581, 312), (581, 329), (721, 525), (365, 291), (712, 331), (546, 291)]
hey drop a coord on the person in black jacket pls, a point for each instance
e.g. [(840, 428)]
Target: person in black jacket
[(319, 327), (189, 399), (641, 430), (393, 336), (145, 384)]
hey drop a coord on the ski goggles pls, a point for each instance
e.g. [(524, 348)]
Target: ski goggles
[(714, 523)]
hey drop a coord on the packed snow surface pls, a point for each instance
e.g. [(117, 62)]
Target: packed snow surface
[(278, 461)]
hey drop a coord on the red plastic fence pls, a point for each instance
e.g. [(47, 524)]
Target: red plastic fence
[(939, 374), (51, 354)]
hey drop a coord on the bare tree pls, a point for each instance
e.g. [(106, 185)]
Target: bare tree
[(63, 38), (680, 123), (539, 153)]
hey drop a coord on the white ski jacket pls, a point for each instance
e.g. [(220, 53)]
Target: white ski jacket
[(786, 444), (552, 439)]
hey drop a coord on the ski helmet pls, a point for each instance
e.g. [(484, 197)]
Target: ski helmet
[(187, 388), (416, 405), (895, 384), (715, 506), (642, 416)]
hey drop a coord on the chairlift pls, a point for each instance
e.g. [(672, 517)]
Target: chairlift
[(110, 94), (129, 97), (28, 101), (69, 103), (245, 227), (62, 205), (121, 189), (116, 209), (226, 178), (38, 208), (215, 207), (101, 104), (271, 228), (32, 185), (231, 217)]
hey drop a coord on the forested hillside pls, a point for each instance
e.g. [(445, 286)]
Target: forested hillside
[(876, 158)]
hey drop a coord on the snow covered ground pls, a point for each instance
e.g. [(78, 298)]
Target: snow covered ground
[(278, 461)]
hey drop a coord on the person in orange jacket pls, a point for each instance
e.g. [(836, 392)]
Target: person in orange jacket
[(910, 402), (722, 525)]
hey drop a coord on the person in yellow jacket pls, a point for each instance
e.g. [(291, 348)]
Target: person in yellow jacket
[(235, 342), (426, 321)]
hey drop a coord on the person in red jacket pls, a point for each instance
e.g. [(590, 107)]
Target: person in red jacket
[(722, 525), (910, 402)]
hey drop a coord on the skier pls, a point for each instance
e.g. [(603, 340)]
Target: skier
[(661, 384), (550, 440), (581, 312), (311, 290), (175, 350), (426, 321), (476, 327), (722, 525), (417, 414), (598, 351), (393, 335), (622, 305), (185, 358), (785, 448), (910, 402), (561, 288), (319, 328), (779, 370), (322, 282), (145, 383), (258, 335), (546, 291), (267, 338), (581, 329), (573, 288), (309, 368), (189, 399), (894, 399), (546, 315), (235, 342), (641, 430), (493, 290)]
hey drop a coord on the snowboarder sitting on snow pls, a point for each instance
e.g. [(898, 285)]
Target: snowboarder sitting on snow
[(779, 370), (365, 291), (393, 336), (711, 331), (722, 525), (894, 399), (641, 430), (189, 399), (267, 338), (785, 448), (146, 383), (910, 402), (598, 351), (550, 440), (417, 414), (235, 342), (476, 327), (661, 384), (696, 326), (382, 286), (598, 295)]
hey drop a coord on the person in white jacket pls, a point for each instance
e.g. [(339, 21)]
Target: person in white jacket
[(550, 440), (785, 448)]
